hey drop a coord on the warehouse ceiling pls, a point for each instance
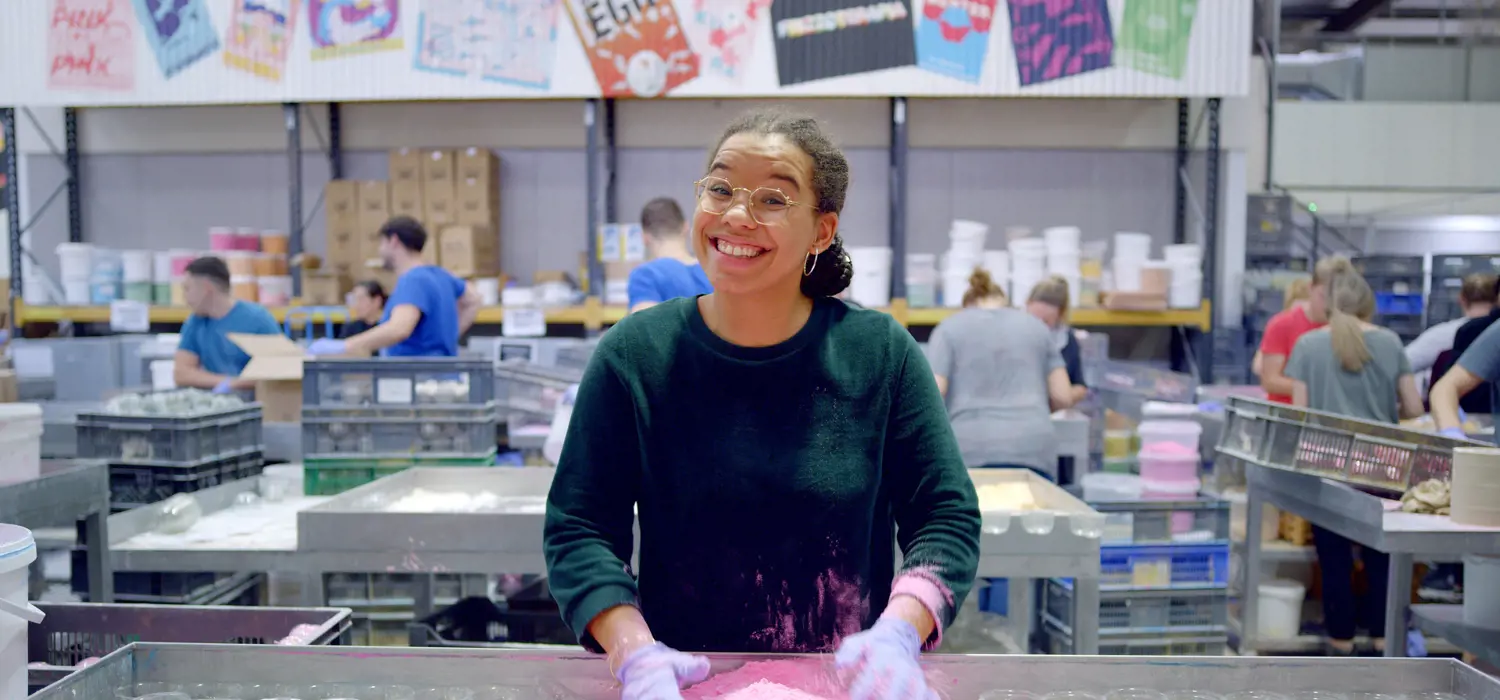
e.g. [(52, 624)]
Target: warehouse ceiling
[(1434, 21)]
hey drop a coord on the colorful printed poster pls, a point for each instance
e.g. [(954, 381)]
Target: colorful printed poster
[(723, 33), (953, 37), (349, 27), (637, 47), (1154, 35), (259, 36), (1060, 38), (180, 32), (818, 39), (447, 37), (521, 42), (90, 46)]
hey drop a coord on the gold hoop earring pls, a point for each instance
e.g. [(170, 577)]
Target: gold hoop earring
[(809, 270)]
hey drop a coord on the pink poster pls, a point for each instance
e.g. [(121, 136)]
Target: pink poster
[(723, 33), (259, 36), (90, 45)]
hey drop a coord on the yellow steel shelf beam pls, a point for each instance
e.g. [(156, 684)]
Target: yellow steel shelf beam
[(595, 315)]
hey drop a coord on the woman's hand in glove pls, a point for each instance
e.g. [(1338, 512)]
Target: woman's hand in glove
[(884, 661), (658, 672)]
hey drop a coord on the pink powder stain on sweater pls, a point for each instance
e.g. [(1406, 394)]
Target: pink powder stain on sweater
[(842, 599), (786, 679)]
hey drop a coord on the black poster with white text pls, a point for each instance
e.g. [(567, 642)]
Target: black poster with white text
[(817, 39)]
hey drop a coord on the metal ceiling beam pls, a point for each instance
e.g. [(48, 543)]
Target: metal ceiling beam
[(1354, 15)]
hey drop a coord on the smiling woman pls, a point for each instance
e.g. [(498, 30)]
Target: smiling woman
[(773, 440)]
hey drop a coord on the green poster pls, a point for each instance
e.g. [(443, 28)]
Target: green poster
[(1154, 35)]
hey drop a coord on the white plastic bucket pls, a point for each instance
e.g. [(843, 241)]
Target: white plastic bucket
[(1183, 253), (955, 283), (161, 266), (1062, 239), (20, 442), (17, 551), (76, 291), (489, 290), (1132, 246), (871, 285), (1280, 615), (136, 265), (76, 261), (997, 263), (1127, 274), (161, 375)]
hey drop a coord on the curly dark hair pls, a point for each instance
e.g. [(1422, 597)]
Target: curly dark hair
[(833, 270)]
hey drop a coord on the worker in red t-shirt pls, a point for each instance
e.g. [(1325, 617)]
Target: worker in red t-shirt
[(1286, 327)]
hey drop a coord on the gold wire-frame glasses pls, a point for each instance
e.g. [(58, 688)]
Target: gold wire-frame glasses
[(767, 205)]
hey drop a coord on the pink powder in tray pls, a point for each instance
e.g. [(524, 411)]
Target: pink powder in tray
[(785, 679)]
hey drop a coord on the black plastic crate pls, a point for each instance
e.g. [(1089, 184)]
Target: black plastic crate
[(478, 622), (396, 382), (433, 431), (132, 486), (168, 440), (143, 584), (1386, 265), (1461, 265)]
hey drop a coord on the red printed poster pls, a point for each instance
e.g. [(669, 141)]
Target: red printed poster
[(637, 47), (90, 45), (259, 36)]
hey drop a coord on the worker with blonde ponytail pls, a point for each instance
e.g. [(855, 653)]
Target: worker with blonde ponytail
[(1001, 377), (1357, 369)]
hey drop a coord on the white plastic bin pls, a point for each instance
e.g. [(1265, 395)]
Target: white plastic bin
[(1105, 486), (1280, 615), (20, 442), (17, 551), (76, 261)]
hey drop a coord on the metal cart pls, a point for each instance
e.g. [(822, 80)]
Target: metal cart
[(66, 492), (534, 674), (1310, 462)]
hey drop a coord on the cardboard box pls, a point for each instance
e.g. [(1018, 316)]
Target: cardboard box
[(374, 205), (406, 199), (325, 288), (478, 203), (276, 368), (440, 211), (369, 250), (344, 247), (405, 165), (10, 387), (341, 204), (470, 251), (478, 165), (438, 167)]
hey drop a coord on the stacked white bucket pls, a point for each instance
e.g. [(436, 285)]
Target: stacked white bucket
[(1132, 252), (17, 551), (76, 263), (1028, 264), (871, 286), (965, 252), (1186, 263), (1064, 256)]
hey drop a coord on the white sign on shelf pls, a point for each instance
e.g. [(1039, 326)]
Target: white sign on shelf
[(523, 322), (127, 316)]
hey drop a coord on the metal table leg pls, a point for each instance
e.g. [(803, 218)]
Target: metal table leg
[(1396, 601), (1086, 616), (421, 595), (101, 572), (1250, 595), (1021, 609)]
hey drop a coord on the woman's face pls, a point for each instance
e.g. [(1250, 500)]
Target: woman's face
[(362, 304), (1044, 312), (741, 255)]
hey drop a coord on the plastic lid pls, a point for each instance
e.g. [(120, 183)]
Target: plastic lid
[(1167, 409), (14, 541), (1283, 588), (1171, 486)]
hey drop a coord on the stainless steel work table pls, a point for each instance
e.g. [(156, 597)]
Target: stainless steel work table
[(532, 674), (66, 492)]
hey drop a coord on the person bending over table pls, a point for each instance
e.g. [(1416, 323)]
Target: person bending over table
[(778, 444)]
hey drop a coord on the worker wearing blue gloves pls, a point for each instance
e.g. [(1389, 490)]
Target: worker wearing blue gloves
[(206, 358), (1477, 369), (778, 445), (427, 311)]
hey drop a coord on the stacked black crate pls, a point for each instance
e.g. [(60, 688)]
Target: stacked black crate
[(1448, 273), (1397, 281)]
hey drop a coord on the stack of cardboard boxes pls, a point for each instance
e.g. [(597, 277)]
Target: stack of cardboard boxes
[(455, 194)]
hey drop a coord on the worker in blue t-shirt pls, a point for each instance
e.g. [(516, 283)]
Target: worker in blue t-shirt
[(427, 311), (206, 358), (672, 271)]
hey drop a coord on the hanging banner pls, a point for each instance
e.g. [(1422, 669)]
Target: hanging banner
[(259, 36), (522, 42), (351, 27), (953, 37), (90, 46), (1057, 39), (1154, 35), (723, 34), (637, 47), (817, 39), (180, 32)]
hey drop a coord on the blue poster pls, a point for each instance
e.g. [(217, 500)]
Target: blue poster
[(180, 32), (953, 37)]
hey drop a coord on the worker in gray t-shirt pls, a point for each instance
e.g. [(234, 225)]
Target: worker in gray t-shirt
[(1001, 377), (1478, 366)]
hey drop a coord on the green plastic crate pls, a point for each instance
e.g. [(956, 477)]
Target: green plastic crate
[(330, 477)]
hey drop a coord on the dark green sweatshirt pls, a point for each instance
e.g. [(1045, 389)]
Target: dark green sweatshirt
[(774, 484)]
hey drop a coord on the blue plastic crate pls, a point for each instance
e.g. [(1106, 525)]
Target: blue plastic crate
[(1163, 566), (1387, 303)]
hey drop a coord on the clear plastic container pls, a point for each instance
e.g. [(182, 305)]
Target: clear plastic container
[(1106, 486), (1179, 432), (1166, 467)]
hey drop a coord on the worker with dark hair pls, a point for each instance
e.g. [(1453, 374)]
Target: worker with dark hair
[(366, 306), (206, 358), (428, 310), (673, 271)]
